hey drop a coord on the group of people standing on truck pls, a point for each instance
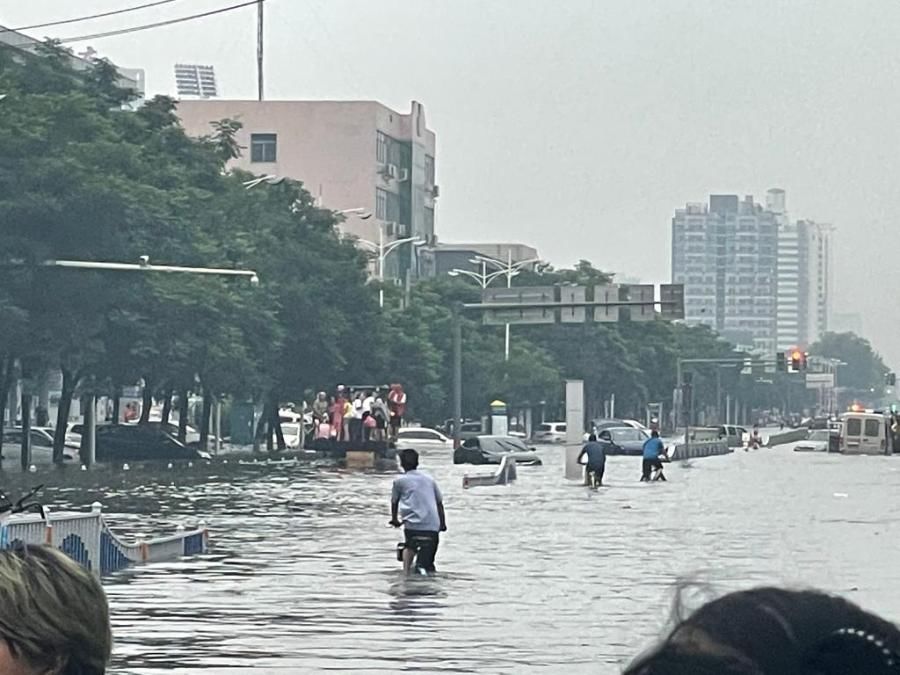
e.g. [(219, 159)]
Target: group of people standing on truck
[(359, 415)]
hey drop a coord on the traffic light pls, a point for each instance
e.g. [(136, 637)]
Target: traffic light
[(798, 361), (781, 362)]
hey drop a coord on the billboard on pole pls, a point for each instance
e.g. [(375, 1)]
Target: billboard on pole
[(606, 294), (671, 298), (820, 380), (643, 293), (525, 295), (572, 294)]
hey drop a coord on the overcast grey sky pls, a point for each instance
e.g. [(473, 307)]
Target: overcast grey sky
[(579, 126)]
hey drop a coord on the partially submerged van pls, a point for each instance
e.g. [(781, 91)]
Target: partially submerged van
[(865, 433)]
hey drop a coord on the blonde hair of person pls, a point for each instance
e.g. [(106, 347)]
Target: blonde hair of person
[(54, 616)]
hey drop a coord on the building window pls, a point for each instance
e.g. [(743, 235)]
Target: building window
[(263, 147), (429, 221), (380, 204), (429, 170), (382, 141), (393, 208)]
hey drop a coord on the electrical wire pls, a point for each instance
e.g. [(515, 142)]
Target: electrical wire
[(91, 16), (158, 24)]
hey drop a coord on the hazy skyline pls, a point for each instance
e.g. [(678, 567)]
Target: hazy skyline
[(579, 127)]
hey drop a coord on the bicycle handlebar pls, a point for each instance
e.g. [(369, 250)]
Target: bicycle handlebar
[(20, 505)]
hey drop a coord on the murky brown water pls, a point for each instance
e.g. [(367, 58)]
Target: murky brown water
[(538, 577)]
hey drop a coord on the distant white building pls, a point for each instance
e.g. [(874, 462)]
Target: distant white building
[(724, 253), (804, 283), (195, 81)]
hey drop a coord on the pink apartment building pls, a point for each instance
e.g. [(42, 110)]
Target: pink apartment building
[(348, 154)]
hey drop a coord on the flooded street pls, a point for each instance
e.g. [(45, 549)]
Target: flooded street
[(536, 577)]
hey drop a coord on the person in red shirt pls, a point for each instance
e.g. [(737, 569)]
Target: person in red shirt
[(397, 406)]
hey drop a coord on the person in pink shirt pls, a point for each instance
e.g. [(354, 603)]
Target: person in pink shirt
[(336, 416), (324, 431), (397, 406)]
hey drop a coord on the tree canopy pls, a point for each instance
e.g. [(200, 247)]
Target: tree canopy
[(84, 178)]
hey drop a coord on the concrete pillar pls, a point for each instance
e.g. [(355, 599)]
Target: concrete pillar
[(574, 428)]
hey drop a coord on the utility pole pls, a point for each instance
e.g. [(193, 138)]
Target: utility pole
[(457, 375), (259, 49)]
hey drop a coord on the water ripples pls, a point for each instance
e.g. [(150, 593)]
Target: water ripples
[(538, 577)]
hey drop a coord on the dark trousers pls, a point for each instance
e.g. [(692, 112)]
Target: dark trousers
[(598, 471), (356, 429), (425, 544), (648, 466)]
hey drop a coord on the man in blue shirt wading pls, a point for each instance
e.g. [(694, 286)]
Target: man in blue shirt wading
[(596, 460), (417, 504), (653, 448)]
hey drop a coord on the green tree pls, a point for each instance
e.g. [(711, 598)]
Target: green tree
[(861, 370)]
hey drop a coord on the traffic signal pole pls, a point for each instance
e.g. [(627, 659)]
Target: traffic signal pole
[(457, 374), (682, 413), (456, 311)]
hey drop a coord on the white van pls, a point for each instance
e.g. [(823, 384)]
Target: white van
[(865, 433), (550, 432)]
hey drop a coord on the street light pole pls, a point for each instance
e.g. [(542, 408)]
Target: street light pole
[(509, 270), (89, 444), (383, 250), (381, 255)]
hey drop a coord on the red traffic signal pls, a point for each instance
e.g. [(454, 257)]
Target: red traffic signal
[(798, 361)]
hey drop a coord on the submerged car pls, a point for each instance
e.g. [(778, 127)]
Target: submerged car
[(817, 441), (623, 440), (141, 442), (492, 449), (422, 438), (550, 432)]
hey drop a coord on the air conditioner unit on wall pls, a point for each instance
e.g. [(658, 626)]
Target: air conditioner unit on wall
[(392, 170), (403, 175)]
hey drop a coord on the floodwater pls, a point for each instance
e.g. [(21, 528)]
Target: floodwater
[(539, 577)]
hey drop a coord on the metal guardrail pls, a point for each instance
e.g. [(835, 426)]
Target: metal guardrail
[(86, 538)]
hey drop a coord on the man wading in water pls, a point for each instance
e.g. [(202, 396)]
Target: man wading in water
[(417, 500)]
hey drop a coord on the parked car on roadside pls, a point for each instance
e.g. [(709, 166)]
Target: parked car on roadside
[(550, 432), (149, 441), (41, 443), (492, 449), (421, 438)]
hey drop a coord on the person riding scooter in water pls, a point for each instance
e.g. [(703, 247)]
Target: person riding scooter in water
[(417, 505)]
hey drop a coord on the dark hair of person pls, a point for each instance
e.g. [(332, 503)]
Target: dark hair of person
[(775, 631), (654, 433), (592, 438), (409, 459), (54, 616)]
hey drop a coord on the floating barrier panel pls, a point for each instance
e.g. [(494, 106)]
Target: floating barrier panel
[(505, 474), (86, 538), (788, 436), (698, 449)]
